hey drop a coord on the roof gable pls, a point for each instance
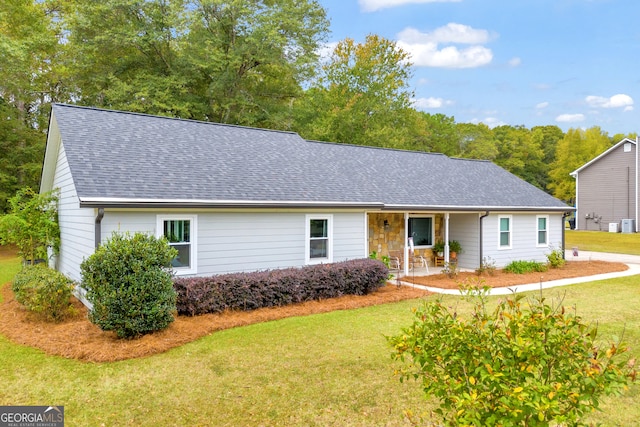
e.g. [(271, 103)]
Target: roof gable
[(121, 158), (603, 154)]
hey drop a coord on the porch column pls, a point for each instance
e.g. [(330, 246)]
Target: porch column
[(405, 248), (446, 237)]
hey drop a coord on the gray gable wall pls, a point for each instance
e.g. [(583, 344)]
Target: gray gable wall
[(128, 156)]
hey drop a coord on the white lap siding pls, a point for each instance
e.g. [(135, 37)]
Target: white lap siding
[(249, 241), (76, 224), (524, 233)]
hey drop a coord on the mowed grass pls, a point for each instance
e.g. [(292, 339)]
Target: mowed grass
[(328, 369), (598, 241)]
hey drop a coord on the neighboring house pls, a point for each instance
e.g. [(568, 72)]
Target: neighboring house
[(607, 190), (233, 198)]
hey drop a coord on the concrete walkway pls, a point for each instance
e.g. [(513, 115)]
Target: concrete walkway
[(633, 261)]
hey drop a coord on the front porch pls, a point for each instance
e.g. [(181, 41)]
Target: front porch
[(409, 238)]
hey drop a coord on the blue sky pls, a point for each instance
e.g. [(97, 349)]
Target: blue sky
[(570, 63)]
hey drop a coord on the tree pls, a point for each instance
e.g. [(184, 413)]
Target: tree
[(226, 61), (442, 135), (477, 141), (574, 150), (31, 224), (520, 152), (526, 363), (362, 97), (28, 82)]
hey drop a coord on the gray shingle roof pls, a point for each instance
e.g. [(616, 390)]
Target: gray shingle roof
[(134, 157)]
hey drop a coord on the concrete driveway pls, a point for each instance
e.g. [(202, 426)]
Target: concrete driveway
[(633, 261)]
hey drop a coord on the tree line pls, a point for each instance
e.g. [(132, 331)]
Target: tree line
[(251, 63)]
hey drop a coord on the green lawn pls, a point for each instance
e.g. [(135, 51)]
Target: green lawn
[(599, 241), (319, 370)]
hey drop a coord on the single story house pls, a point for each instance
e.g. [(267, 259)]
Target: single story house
[(232, 198), (607, 190)]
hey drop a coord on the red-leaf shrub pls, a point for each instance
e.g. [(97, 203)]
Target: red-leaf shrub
[(274, 288)]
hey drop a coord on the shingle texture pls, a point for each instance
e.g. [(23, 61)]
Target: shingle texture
[(123, 155)]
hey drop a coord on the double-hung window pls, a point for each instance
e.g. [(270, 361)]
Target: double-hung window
[(505, 232), (421, 230), (180, 231), (319, 230), (543, 233)]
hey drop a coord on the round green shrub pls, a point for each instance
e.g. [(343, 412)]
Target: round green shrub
[(128, 282), (44, 291)]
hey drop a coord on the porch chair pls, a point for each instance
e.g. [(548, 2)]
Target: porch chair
[(396, 261)]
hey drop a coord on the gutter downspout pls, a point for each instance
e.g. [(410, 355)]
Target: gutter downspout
[(564, 230), (98, 236), (486, 214)]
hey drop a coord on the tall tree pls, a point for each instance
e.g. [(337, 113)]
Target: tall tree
[(574, 150), (520, 152), (362, 97), (476, 141), (249, 59), (226, 61), (442, 134), (28, 82)]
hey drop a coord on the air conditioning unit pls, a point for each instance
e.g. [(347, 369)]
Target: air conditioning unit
[(613, 227), (628, 225)]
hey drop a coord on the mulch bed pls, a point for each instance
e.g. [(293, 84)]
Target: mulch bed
[(77, 338)]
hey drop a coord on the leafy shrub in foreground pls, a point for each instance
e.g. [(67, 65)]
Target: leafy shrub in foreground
[(273, 288), (44, 291), (532, 364), (128, 281), (522, 267), (555, 258)]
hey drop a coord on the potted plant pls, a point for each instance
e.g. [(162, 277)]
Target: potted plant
[(438, 248), (454, 248)]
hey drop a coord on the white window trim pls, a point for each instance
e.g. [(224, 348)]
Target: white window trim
[(545, 244), (433, 230), (160, 219), (510, 218), (307, 239)]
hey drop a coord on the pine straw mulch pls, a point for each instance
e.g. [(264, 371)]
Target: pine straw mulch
[(500, 278), (77, 338)]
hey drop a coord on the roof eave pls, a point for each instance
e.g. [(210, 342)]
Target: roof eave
[(442, 208), (89, 202)]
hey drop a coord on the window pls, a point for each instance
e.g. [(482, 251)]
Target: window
[(542, 230), (421, 229), (319, 231), (505, 232), (180, 231)]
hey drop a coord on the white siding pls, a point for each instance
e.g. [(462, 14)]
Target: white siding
[(76, 224), (249, 241), (465, 229), (523, 238)]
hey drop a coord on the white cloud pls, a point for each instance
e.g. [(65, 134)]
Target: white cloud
[(570, 118), (373, 5), (542, 105), (431, 103), (616, 101), (450, 33), (425, 50), (515, 62), (492, 122)]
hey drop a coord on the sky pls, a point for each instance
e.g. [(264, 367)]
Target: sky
[(569, 63)]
